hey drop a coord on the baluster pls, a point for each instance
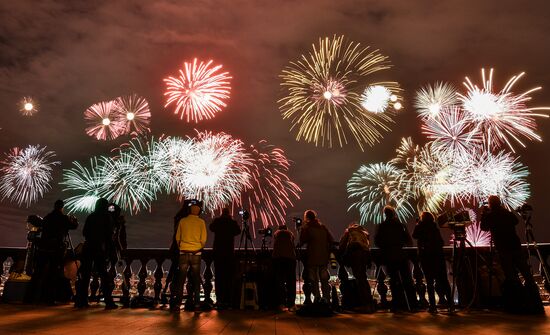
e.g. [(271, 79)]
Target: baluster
[(2, 260), (94, 287), (126, 285), (382, 288), (158, 280), (112, 274), (142, 276), (207, 283)]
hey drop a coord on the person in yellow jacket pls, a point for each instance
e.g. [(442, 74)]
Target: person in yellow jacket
[(190, 238)]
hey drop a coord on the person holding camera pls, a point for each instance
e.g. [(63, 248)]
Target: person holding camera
[(318, 241), (190, 238), (391, 236), (49, 284), (96, 252), (284, 264), (225, 229), (354, 250), (502, 225), (432, 259)]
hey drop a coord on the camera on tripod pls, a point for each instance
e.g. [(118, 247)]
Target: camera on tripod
[(266, 232), (34, 228), (244, 214), (456, 221)]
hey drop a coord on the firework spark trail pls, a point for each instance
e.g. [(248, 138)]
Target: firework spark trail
[(126, 187), (178, 152), (26, 174), (217, 171), (502, 117), (478, 237), (431, 100), (151, 161), (324, 94), (498, 174), (28, 107), (271, 191), (134, 114), (199, 92), (418, 168), (452, 134), (374, 186), (103, 121), (90, 184)]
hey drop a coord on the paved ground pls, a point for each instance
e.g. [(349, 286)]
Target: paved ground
[(18, 319)]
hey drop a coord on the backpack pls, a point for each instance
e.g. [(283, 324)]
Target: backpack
[(358, 239)]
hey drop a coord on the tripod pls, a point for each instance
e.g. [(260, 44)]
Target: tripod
[(249, 291), (73, 254), (459, 259), (532, 243), (246, 238)]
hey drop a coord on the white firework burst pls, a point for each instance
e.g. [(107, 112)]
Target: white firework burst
[(217, 172), (452, 133), (502, 117), (26, 174), (431, 100)]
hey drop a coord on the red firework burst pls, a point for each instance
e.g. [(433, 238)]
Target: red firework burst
[(199, 92), (271, 191)]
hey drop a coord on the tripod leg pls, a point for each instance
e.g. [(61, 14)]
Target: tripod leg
[(404, 291)]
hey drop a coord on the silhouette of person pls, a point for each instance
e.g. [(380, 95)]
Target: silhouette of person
[(391, 236), (318, 241), (432, 259), (98, 247), (284, 264), (49, 284), (225, 229), (502, 225), (355, 251)]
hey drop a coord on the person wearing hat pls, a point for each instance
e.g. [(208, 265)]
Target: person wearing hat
[(190, 239)]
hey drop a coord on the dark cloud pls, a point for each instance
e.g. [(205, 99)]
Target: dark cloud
[(69, 55)]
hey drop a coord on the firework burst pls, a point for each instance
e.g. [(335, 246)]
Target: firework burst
[(327, 89), (270, 191), (377, 98), (216, 172), (27, 174), (127, 187), (199, 92), (418, 167), (451, 133), (28, 107), (502, 117), (133, 114), (476, 236), (103, 121), (374, 186), (90, 184), (431, 100), (178, 153), (501, 175)]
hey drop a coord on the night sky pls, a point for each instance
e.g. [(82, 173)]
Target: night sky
[(70, 56)]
